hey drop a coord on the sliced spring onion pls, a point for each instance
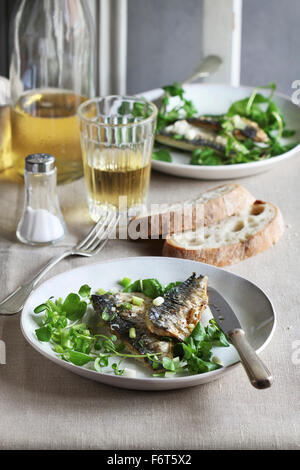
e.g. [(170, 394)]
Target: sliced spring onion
[(40, 308), (100, 292), (132, 333), (137, 301), (129, 372), (216, 360), (105, 315), (97, 366), (125, 282), (158, 301)]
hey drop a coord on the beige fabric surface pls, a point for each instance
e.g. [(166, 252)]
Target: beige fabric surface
[(43, 406)]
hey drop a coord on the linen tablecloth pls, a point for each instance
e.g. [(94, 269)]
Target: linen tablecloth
[(43, 406)]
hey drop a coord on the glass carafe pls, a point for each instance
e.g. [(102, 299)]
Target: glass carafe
[(51, 73)]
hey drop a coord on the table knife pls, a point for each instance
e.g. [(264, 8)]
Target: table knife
[(259, 376)]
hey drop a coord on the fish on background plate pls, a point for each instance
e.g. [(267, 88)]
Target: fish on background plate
[(212, 101), (202, 131), (258, 323)]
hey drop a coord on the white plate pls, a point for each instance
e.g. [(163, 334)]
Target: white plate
[(251, 305), (216, 99)]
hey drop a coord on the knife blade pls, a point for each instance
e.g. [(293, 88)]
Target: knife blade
[(222, 311), (259, 375)]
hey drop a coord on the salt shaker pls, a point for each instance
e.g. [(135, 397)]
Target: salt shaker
[(42, 222)]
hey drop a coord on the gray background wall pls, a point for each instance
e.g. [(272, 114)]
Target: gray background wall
[(164, 42), (271, 43)]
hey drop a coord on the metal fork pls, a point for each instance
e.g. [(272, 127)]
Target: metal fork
[(91, 245)]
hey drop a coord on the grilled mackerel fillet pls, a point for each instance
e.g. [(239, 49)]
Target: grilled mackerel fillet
[(181, 310), (121, 320), (203, 131)]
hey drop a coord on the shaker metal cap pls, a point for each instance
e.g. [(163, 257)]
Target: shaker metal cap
[(39, 163)]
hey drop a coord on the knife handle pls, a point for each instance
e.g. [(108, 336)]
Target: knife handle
[(259, 375)]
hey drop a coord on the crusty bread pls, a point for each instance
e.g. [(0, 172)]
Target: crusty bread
[(232, 239), (208, 208)]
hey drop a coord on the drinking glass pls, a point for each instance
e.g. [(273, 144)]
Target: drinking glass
[(117, 135)]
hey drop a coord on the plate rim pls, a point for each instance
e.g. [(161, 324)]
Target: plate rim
[(150, 380), (235, 166)]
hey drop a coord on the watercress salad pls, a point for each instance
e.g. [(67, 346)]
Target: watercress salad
[(257, 108), (63, 324)]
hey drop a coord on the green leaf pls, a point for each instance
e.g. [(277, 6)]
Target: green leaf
[(198, 332), (198, 366), (189, 108), (126, 306), (187, 351), (152, 288), (162, 155), (221, 341), (78, 358), (101, 361), (288, 133), (174, 90), (229, 145), (171, 285), (139, 110), (44, 333), (85, 291), (101, 292), (206, 156), (98, 344), (134, 287), (74, 307), (168, 363), (215, 335), (117, 370), (178, 136)]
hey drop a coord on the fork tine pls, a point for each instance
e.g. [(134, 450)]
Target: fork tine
[(93, 231), (99, 233), (101, 242)]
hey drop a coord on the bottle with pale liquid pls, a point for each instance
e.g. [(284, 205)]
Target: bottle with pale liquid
[(51, 74), (5, 129)]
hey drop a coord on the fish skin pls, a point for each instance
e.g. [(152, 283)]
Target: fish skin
[(121, 320), (211, 123), (181, 310), (207, 139), (251, 131)]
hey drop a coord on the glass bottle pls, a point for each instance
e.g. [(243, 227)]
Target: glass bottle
[(5, 130), (41, 222), (51, 73)]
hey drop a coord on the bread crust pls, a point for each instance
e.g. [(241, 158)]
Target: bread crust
[(232, 253), (195, 214)]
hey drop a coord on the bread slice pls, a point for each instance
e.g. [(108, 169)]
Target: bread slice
[(232, 239), (209, 207)]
